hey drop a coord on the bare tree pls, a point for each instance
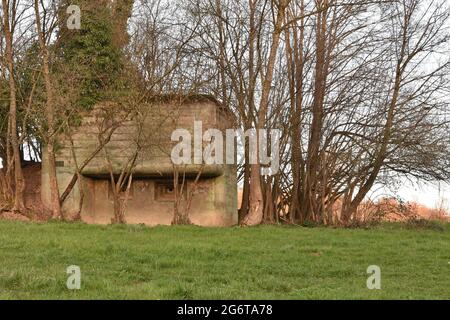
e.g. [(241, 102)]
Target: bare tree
[(9, 16), (50, 115)]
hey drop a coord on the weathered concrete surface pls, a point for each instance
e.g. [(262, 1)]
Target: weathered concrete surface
[(214, 201)]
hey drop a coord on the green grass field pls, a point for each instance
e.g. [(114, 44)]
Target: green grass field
[(135, 262)]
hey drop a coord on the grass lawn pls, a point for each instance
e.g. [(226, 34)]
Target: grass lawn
[(270, 262)]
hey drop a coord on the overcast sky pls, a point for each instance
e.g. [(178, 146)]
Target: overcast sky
[(431, 195)]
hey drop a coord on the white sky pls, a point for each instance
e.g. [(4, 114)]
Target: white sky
[(432, 195)]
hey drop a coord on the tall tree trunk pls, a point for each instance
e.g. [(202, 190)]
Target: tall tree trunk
[(19, 203), (311, 192), (256, 205), (50, 115), (247, 116), (256, 214), (243, 211), (295, 64)]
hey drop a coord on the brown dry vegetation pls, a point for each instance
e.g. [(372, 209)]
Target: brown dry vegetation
[(387, 209)]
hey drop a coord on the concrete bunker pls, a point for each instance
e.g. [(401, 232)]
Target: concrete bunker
[(150, 198)]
